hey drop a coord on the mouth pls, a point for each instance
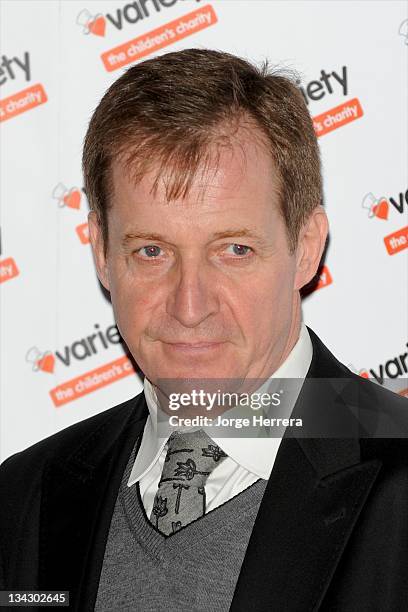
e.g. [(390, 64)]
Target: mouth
[(193, 346)]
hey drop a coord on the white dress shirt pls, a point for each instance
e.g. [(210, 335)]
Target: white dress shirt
[(249, 459)]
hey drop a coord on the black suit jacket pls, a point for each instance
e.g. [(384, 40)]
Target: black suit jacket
[(331, 532)]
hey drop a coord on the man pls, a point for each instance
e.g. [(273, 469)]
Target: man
[(203, 178)]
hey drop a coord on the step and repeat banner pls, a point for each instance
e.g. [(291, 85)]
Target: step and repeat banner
[(62, 359)]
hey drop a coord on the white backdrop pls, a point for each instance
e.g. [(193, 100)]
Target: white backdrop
[(61, 361)]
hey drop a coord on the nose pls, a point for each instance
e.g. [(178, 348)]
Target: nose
[(193, 295)]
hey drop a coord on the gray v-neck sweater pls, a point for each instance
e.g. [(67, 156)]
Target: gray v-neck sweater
[(195, 569)]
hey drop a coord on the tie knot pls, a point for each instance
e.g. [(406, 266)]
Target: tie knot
[(191, 457)]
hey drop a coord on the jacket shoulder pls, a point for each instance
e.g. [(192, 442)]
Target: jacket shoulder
[(386, 409), (391, 410), (62, 443)]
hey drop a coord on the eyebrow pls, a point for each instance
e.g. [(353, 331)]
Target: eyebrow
[(228, 233)]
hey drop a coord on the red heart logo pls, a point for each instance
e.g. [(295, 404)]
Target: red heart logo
[(83, 233), (97, 26), (46, 363), (380, 210), (73, 199)]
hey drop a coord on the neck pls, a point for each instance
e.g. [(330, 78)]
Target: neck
[(294, 329)]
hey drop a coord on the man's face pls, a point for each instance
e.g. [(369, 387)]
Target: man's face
[(204, 287)]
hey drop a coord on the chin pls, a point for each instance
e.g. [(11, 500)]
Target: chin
[(182, 364), (193, 372)]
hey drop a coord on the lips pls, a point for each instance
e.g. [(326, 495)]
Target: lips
[(194, 344), (186, 346)]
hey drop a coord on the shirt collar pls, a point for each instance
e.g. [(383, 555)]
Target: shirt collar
[(257, 455)]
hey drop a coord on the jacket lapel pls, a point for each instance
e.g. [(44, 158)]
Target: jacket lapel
[(314, 496), (302, 527), (78, 498)]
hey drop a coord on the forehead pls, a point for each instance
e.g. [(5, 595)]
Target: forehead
[(232, 166)]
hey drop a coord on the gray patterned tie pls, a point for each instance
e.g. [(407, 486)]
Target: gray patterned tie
[(180, 499)]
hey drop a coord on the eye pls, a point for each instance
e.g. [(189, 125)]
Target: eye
[(240, 249), (151, 251)]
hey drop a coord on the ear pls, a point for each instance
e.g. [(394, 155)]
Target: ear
[(96, 239), (311, 243)]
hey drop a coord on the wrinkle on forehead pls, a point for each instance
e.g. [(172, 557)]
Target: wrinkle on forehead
[(195, 166)]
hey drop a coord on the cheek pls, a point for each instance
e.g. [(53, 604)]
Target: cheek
[(126, 287), (249, 308), (272, 287), (132, 306), (265, 300)]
